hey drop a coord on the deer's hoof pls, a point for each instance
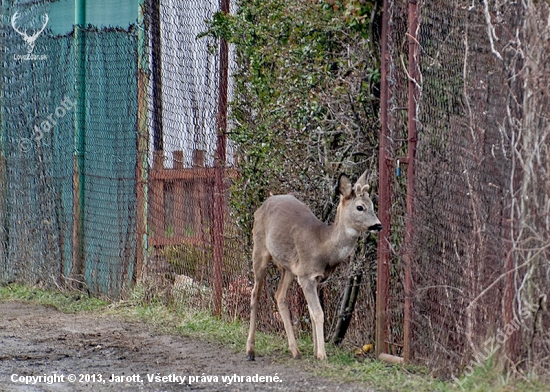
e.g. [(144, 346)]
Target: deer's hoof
[(298, 355), (250, 357)]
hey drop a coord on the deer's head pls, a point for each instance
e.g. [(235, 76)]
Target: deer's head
[(356, 210)]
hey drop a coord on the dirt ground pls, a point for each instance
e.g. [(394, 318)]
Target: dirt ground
[(42, 349)]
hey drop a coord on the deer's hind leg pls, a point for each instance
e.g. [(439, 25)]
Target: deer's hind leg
[(260, 260), (287, 278)]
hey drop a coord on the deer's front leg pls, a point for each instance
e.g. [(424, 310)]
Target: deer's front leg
[(309, 287)]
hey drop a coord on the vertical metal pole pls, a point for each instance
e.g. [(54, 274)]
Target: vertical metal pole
[(219, 188), (80, 139), (142, 165), (414, 93), (384, 196), (156, 59)]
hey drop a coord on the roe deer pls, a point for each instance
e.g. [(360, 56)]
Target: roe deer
[(300, 245)]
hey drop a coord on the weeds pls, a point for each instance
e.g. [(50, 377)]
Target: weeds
[(342, 364), (67, 302)]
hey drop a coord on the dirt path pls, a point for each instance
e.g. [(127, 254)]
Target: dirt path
[(42, 349)]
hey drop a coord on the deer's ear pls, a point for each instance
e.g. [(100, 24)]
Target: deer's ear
[(362, 180), (344, 186)]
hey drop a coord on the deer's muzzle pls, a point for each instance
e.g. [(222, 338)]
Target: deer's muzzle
[(376, 227)]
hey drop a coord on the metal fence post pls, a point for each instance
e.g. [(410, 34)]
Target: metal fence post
[(80, 140), (219, 164), (142, 164), (385, 172), (156, 72), (413, 96), (384, 197)]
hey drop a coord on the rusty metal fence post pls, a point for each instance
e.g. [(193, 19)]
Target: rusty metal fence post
[(385, 190), (384, 196), (219, 164), (414, 94)]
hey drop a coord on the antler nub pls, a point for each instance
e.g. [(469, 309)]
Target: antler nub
[(360, 190)]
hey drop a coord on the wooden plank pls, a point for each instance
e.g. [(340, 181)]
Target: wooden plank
[(193, 183), (188, 174), (176, 240), (179, 217), (198, 192), (391, 358)]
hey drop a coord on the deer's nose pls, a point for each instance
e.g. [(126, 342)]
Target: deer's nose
[(376, 227)]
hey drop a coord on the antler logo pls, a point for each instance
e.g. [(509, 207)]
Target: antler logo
[(29, 39)]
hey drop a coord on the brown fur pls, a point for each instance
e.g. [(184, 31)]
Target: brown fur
[(300, 245)]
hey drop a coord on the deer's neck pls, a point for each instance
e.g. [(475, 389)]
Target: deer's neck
[(341, 241)]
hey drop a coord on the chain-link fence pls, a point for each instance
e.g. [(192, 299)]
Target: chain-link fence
[(68, 153), (116, 168), (190, 231), (479, 229), (182, 189)]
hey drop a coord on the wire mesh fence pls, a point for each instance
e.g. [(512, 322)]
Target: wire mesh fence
[(190, 160), (182, 206), (474, 281), (116, 169), (41, 123)]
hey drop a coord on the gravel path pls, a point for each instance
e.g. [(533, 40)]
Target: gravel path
[(42, 349)]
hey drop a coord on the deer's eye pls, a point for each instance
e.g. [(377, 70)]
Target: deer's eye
[(360, 208)]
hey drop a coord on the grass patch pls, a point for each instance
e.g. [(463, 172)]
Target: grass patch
[(67, 302), (341, 365), (201, 325)]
